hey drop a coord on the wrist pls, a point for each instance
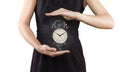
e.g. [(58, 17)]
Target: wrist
[(38, 47), (76, 15)]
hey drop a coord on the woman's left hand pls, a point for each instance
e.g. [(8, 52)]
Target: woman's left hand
[(67, 14)]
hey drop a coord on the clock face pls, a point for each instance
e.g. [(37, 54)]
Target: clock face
[(60, 35)]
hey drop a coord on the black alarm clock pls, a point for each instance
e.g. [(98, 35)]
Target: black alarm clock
[(59, 33)]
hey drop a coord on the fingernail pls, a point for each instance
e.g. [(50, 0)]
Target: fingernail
[(68, 51), (55, 49)]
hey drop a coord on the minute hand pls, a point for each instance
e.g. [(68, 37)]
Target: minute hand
[(62, 34)]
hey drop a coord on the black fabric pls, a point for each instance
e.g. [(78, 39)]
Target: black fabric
[(72, 62)]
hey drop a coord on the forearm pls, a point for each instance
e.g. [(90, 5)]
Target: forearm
[(104, 22), (28, 35)]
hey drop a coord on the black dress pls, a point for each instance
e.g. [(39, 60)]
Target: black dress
[(60, 33)]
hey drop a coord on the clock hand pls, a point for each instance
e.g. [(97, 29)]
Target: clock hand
[(62, 34), (58, 34)]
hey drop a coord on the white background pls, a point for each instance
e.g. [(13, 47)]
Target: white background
[(101, 47)]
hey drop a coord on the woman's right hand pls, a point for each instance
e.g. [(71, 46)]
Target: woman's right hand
[(50, 51)]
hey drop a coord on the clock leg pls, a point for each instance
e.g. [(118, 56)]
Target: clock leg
[(59, 47)]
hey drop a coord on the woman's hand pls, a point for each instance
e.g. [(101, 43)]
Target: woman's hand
[(50, 51), (102, 19), (67, 14)]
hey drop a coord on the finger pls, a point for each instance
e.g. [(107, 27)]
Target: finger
[(43, 47), (48, 14), (47, 53), (47, 48), (51, 14), (54, 54), (60, 53), (51, 49), (54, 13)]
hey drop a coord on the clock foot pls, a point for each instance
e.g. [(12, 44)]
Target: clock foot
[(59, 49)]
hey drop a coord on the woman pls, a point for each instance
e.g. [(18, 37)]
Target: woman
[(57, 47)]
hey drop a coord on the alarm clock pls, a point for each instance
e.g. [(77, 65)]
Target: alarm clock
[(59, 33)]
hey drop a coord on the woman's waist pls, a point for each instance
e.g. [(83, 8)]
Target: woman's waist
[(59, 31), (55, 35)]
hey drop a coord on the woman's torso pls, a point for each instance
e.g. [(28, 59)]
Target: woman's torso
[(45, 23)]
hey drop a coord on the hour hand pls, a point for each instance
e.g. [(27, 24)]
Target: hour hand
[(58, 34)]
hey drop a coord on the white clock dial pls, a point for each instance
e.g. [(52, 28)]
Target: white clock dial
[(60, 35)]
